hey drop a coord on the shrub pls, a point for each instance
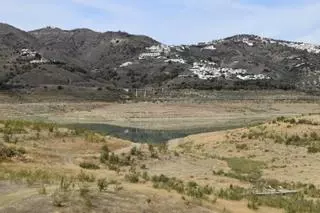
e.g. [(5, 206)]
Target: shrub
[(42, 190), (165, 182), (104, 156), (193, 190), (59, 198), (88, 165), (135, 151), (151, 148), (118, 186), (153, 152), (278, 139), (51, 128), (162, 178), (291, 121), (7, 138), (114, 167), (7, 152), (280, 119), (197, 191), (83, 177), (154, 155), (232, 193), (163, 147), (105, 148), (242, 146), (294, 140), (114, 159), (145, 176), (132, 177), (102, 184), (94, 137), (314, 148), (253, 203), (305, 121), (314, 136), (65, 184), (62, 194)]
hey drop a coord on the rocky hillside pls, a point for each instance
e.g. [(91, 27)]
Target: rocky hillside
[(84, 58)]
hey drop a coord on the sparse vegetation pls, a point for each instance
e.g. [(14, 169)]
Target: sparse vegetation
[(102, 184), (104, 156), (232, 193), (244, 166), (139, 164), (94, 137), (242, 146), (88, 165), (7, 152), (84, 177)]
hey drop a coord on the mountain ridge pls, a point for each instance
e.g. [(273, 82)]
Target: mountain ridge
[(94, 59)]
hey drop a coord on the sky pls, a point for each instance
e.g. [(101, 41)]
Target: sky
[(172, 21)]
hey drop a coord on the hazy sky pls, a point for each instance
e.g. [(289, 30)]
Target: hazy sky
[(172, 21)]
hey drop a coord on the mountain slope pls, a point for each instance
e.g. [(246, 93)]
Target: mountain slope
[(83, 57)]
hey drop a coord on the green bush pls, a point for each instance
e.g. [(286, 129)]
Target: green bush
[(244, 166), (197, 191), (145, 176), (314, 136), (242, 146), (105, 148), (314, 148), (253, 202), (232, 193), (7, 152), (135, 151), (294, 140), (191, 189), (94, 137), (132, 177), (114, 159), (104, 156), (88, 165), (305, 121)]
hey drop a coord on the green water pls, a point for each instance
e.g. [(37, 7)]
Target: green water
[(147, 135)]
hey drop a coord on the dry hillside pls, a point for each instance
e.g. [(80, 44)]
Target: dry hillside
[(48, 168)]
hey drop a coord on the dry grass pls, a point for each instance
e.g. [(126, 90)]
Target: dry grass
[(157, 115), (188, 175)]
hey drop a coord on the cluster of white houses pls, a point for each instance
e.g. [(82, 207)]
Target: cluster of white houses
[(155, 51), (32, 57)]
